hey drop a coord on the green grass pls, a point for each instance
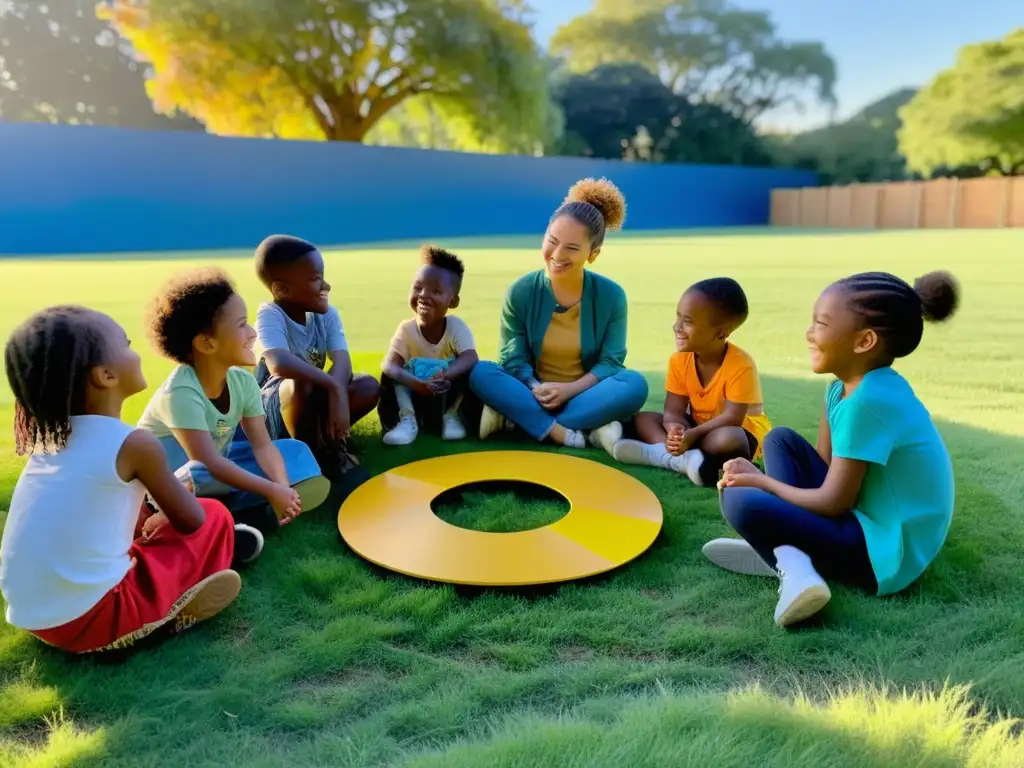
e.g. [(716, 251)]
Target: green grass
[(325, 661)]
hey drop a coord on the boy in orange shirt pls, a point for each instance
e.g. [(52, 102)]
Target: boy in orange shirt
[(714, 410)]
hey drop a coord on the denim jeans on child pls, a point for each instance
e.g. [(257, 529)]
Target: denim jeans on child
[(835, 544), (616, 398), (298, 463)]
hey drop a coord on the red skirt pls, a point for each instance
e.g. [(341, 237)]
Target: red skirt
[(168, 566)]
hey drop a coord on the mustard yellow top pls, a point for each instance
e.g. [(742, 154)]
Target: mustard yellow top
[(561, 359)]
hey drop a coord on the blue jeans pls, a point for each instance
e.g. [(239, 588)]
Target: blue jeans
[(835, 545), (298, 463), (616, 398)]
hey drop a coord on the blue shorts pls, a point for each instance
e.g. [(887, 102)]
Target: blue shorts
[(298, 463)]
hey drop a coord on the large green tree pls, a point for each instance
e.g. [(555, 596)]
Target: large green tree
[(624, 111), (971, 115), (709, 50), (60, 64), (333, 70)]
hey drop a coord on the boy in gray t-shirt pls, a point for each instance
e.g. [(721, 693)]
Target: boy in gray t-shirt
[(298, 334)]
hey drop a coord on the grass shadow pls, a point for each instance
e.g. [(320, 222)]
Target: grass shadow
[(326, 661)]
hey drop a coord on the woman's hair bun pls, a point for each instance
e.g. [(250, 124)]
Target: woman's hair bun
[(604, 196), (940, 295)]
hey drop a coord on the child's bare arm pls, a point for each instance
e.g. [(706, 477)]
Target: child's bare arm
[(141, 457), (394, 369), (341, 369), (824, 444), (675, 409), (288, 365), (732, 415), (199, 446), (462, 365)]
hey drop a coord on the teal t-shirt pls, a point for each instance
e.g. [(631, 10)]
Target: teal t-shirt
[(181, 403), (906, 503)]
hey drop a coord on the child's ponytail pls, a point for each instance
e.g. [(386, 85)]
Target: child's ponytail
[(939, 293)]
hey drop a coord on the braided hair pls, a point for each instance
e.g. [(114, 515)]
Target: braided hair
[(48, 360), (598, 205), (896, 310)]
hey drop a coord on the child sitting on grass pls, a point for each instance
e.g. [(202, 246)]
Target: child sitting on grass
[(431, 355), (871, 503), (299, 332), (83, 566), (714, 410), (200, 322)]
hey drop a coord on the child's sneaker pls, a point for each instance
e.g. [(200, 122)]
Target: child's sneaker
[(737, 556), (491, 421), (248, 544), (452, 427), (206, 599), (606, 437), (404, 433), (802, 591)]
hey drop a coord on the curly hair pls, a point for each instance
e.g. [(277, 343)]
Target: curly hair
[(185, 307), (895, 310), (48, 360), (598, 205)]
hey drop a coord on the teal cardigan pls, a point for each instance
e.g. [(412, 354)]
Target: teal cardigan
[(527, 312)]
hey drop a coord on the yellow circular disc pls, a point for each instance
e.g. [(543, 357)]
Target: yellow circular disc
[(613, 518)]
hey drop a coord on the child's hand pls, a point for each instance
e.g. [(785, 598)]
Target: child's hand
[(674, 443), (153, 524), (740, 473), (439, 384), (286, 503), (421, 387)]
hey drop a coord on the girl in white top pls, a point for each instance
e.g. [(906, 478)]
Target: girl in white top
[(84, 566)]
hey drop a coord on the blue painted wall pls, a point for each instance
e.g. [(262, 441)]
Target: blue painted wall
[(69, 189)]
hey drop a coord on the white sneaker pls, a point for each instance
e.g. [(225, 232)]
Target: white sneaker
[(738, 556), (490, 422), (606, 437), (452, 427), (404, 433), (641, 454), (802, 591)]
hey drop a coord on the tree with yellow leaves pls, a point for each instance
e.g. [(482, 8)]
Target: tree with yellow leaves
[(332, 69)]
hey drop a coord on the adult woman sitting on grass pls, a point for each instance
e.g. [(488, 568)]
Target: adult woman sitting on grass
[(560, 371)]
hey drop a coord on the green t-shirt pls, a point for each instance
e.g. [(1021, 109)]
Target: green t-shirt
[(181, 403)]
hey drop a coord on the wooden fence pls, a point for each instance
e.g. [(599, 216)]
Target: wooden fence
[(937, 204)]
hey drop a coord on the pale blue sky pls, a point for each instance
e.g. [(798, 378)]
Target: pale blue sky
[(878, 45)]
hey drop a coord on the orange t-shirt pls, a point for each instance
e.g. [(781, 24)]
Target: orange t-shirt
[(736, 381)]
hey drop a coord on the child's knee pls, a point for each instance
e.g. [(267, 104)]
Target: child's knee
[(727, 443), (482, 373), (778, 437), (364, 390), (635, 386), (293, 450)]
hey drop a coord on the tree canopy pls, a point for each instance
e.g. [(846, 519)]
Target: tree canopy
[(624, 111), (332, 70), (971, 114), (60, 64), (708, 50)]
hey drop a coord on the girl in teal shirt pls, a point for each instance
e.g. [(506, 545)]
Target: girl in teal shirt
[(871, 503)]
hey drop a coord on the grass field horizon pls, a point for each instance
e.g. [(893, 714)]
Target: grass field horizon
[(668, 661)]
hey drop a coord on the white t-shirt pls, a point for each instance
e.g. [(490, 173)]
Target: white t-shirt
[(312, 342), (409, 343), (71, 525)]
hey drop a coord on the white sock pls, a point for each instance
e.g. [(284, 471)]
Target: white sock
[(574, 439), (792, 561), (657, 455), (404, 397)]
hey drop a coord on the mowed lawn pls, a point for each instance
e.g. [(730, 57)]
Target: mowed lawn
[(669, 661)]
